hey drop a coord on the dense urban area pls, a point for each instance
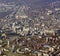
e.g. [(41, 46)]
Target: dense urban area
[(29, 28)]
